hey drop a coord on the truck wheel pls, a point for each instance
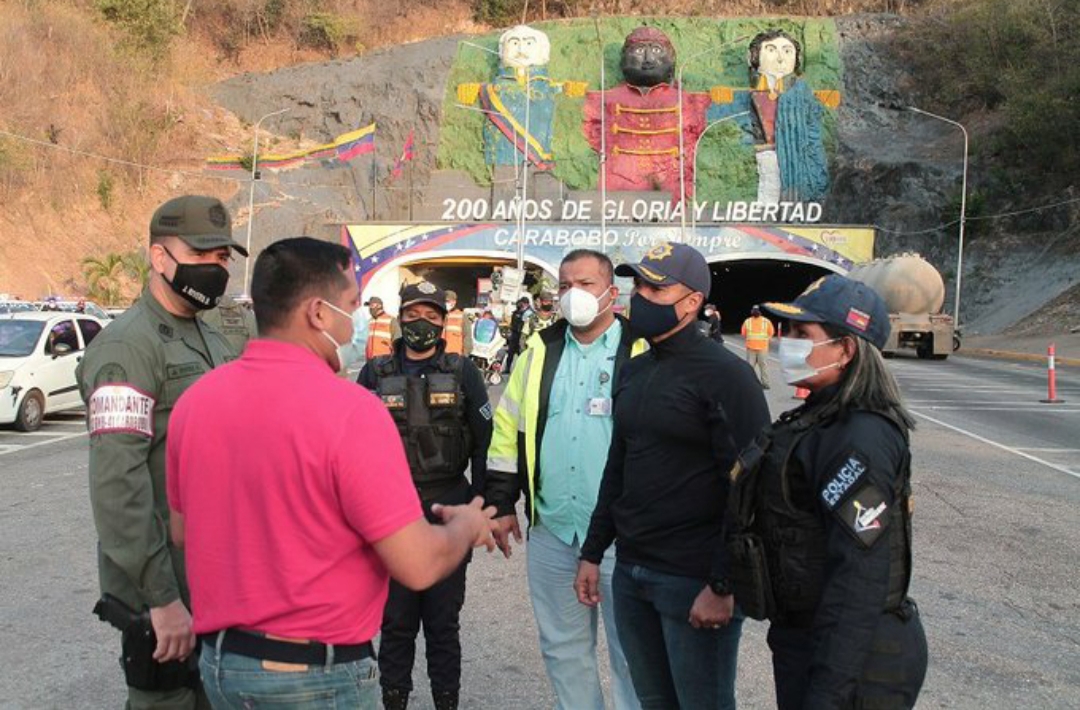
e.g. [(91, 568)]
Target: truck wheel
[(955, 343), (31, 412)]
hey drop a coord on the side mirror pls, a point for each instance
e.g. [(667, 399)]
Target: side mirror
[(61, 349)]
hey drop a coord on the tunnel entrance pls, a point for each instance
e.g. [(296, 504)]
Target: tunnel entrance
[(738, 285)]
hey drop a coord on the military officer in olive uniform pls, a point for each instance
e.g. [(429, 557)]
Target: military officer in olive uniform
[(440, 405), (234, 319), (130, 378)]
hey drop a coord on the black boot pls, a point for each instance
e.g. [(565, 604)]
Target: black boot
[(395, 698), (445, 699)]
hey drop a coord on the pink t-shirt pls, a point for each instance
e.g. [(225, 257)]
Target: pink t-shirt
[(285, 474)]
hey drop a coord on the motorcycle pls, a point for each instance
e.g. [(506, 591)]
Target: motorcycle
[(489, 349)]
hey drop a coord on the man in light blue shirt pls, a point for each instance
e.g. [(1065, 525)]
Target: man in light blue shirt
[(552, 430)]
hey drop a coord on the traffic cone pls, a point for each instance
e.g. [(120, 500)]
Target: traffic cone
[(801, 393)]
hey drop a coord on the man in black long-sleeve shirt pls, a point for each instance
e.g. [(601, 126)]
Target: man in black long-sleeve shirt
[(683, 411)]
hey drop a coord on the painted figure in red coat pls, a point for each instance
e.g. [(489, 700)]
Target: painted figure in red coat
[(641, 118)]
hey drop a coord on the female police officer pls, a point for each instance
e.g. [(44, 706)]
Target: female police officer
[(820, 526)]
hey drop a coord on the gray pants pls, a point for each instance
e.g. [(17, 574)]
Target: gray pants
[(759, 360)]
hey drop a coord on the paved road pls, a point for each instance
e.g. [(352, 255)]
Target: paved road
[(996, 573)]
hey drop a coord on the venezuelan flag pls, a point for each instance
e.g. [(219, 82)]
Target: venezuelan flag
[(345, 147), (350, 145)]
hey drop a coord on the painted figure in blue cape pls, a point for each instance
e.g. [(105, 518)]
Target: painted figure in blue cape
[(518, 119), (783, 120)]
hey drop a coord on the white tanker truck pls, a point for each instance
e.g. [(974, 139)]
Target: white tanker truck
[(914, 292)]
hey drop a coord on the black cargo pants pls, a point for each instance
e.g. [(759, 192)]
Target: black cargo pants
[(892, 675)]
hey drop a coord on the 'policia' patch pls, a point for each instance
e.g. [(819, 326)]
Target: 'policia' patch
[(864, 514), (845, 477)]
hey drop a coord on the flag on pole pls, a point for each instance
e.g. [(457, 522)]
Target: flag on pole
[(406, 154)]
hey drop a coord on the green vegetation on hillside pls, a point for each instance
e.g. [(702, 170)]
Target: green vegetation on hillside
[(1013, 65)]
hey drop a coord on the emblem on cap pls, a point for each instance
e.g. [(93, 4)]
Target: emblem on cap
[(660, 252), (650, 274), (813, 287), (785, 308), (426, 287), (218, 216)]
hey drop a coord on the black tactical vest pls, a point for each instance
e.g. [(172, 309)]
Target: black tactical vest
[(429, 412), (777, 547)]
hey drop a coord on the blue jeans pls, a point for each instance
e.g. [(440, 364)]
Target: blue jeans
[(673, 664), (568, 628), (234, 682)]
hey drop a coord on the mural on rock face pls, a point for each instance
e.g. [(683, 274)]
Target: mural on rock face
[(640, 119), (766, 140), (782, 118), (519, 103)]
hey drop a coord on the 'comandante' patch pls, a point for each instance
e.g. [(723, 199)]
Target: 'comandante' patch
[(864, 514), (120, 408), (845, 477)]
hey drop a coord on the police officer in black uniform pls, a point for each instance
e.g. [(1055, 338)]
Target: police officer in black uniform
[(441, 408), (819, 519)]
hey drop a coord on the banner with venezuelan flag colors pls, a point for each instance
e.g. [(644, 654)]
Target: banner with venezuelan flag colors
[(345, 147)]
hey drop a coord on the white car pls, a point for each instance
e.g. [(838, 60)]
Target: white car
[(38, 355)]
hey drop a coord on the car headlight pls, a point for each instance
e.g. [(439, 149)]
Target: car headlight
[(5, 378)]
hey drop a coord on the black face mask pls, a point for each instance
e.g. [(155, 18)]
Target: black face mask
[(420, 335), (201, 285), (649, 320)]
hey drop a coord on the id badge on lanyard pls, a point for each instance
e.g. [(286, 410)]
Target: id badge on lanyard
[(600, 406)]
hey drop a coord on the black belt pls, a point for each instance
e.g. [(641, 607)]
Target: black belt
[(313, 653)]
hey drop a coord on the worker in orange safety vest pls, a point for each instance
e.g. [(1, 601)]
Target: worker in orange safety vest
[(383, 329), (456, 332), (758, 331)]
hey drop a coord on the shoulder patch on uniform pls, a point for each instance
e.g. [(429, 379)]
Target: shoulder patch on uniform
[(843, 479), (120, 408), (485, 411), (111, 372), (864, 514)]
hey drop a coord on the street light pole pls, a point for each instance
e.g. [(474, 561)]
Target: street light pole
[(251, 197), (963, 210), (697, 145)]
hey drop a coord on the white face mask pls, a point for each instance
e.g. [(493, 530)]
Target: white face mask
[(794, 353), (348, 354), (580, 308)]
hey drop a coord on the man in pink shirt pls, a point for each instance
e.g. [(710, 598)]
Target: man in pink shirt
[(289, 489)]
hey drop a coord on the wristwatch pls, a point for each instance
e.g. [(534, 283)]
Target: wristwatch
[(720, 586)]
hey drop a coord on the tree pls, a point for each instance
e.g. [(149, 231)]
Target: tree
[(111, 279)]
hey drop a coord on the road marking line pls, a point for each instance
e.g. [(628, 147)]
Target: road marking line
[(976, 403), (999, 409), (1047, 449), (1001, 446), (42, 443)]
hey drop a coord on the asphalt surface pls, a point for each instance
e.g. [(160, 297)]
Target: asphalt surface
[(997, 487)]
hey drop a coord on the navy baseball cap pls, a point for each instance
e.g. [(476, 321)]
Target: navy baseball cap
[(842, 302), (423, 292), (670, 263)]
